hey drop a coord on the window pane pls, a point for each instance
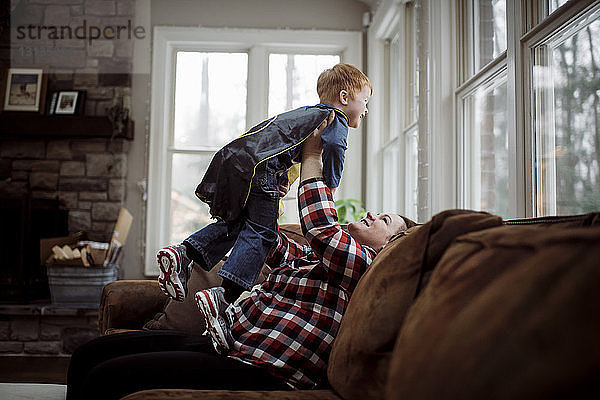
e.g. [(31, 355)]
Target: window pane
[(391, 177), (555, 4), (395, 89), (188, 213), (210, 98), (293, 79), (489, 31), (487, 147), (567, 122), (412, 175)]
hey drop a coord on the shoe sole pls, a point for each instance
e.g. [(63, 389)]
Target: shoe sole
[(209, 309), (168, 278)]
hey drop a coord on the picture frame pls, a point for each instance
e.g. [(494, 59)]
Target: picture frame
[(67, 102), (25, 89)]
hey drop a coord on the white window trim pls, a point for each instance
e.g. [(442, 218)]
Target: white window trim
[(440, 152), (259, 43)]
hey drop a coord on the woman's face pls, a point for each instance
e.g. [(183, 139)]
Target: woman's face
[(375, 230)]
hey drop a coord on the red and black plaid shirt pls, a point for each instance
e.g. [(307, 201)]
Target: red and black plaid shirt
[(288, 324)]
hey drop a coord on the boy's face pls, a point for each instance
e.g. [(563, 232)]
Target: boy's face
[(355, 109)]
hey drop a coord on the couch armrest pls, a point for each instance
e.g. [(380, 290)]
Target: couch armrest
[(128, 304)]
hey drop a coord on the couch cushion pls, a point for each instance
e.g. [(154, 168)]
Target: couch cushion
[(360, 356), (509, 312), (188, 394), (184, 316)]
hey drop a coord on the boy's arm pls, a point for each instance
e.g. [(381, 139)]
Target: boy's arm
[(334, 146)]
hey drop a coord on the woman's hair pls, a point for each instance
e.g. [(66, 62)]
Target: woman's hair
[(409, 224), (341, 77)]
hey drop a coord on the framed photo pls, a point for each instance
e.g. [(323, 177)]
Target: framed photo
[(25, 89), (68, 102)]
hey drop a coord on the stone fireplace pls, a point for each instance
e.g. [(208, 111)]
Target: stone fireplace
[(81, 185), (65, 174)]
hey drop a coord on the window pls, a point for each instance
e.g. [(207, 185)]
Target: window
[(509, 88), (206, 117), (482, 109), (211, 85), (486, 146), (394, 114), (547, 165), (566, 123)]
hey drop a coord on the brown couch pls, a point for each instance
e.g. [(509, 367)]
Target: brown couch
[(466, 306)]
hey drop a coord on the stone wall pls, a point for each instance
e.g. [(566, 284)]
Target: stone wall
[(43, 330), (87, 176)]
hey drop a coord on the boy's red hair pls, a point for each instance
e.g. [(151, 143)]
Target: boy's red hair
[(341, 77)]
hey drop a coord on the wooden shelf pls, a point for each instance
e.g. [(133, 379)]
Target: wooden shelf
[(64, 126)]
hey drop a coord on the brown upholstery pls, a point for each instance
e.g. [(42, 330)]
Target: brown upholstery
[(358, 365), (129, 304), (510, 312), (183, 394), (184, 316)]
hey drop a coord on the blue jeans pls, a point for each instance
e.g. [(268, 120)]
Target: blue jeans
[(250, 239)]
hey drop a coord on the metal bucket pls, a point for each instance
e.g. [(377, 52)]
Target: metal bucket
[(79, 287)]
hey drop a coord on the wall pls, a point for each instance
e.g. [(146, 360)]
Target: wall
[(309, 14), (87, 176)]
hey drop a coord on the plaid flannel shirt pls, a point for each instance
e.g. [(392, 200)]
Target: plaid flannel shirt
[(289, 322)]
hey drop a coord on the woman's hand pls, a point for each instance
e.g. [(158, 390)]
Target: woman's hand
[(312, 146)]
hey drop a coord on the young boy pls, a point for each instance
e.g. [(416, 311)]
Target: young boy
[(247, 177)]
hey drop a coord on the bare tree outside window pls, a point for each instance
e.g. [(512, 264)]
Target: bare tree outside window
[(577, 124)]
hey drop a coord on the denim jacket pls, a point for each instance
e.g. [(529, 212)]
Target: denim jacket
[(226, 183)]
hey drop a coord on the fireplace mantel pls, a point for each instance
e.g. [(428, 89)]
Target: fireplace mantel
[(59, 126)]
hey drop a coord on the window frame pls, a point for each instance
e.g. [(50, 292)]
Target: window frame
[(528, 25), (391, 115), (258, 43), (544, 29)]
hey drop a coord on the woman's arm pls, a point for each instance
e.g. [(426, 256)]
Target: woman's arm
[(344, 259)]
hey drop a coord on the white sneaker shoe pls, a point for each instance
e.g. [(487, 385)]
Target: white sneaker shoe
[(175, 268), (212, 305)]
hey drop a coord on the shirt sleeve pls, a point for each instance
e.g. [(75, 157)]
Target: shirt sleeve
[(344, 258), (334, 152), (333, 164), (288, 250)]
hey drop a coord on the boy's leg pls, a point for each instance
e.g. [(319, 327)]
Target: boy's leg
[(210, 244), (242, 267), (258, 234), (205, 247), (258, 231)]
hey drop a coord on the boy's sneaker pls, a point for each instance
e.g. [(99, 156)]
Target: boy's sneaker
[(175, 268), (212, 305)]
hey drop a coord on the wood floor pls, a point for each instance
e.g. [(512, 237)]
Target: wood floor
[(34, 369)]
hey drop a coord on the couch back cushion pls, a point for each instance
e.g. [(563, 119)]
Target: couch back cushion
[(509, 312), (184, 316), (360, 356)]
